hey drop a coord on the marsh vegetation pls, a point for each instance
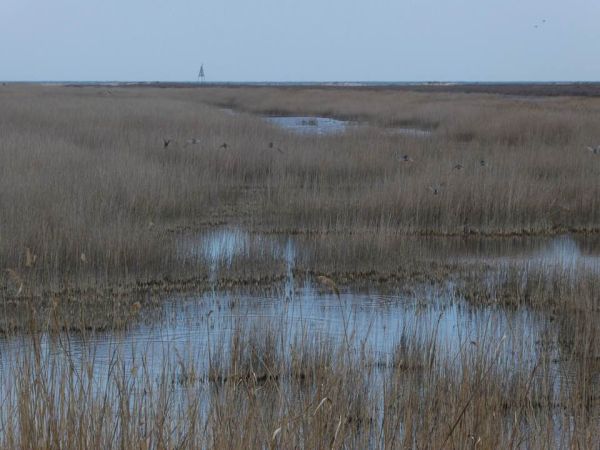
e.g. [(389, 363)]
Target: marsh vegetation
[(181, 269)]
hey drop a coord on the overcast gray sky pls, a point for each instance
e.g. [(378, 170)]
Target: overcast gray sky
[(300, 40)]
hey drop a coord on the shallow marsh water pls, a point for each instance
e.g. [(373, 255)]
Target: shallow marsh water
[(314, 125), (194, 328), (369, 321), (221, 247), (310, 124)]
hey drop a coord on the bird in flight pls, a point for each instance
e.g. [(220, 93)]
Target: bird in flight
[(272, 145), (594, 150), (437, 188), (192, 141)]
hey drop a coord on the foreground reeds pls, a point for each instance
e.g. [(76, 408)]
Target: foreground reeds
[(266, 388)]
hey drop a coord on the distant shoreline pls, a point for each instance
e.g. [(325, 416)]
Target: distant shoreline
[(521, 88)]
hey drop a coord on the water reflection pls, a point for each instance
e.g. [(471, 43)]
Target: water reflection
[(310, 124), (324, 125), (192, 326), (570, 253)]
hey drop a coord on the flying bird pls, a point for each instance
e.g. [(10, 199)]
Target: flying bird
[(594, 150), (405, 158), (223, 145), (437, 189), (166, 142), (192, 141), (458, 167), (272, 145)]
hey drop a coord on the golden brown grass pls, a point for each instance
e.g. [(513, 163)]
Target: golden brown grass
[(260, 390), (88, 191), (98, 192)]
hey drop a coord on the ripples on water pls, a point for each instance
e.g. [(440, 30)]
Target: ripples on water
[(192, 325), (370, 320)]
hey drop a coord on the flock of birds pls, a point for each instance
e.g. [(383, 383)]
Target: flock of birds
[(435, 190), (167, 142), (31, 258)]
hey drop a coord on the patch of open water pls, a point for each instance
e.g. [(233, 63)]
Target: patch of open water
[(317, 125), (220, 248), (193, 325), (310, 124), (314, 125)]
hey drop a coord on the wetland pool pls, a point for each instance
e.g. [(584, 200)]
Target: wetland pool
[(194, 326)]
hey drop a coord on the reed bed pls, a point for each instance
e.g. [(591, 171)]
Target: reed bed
[(106, 194), (262, 388), (89, 189)]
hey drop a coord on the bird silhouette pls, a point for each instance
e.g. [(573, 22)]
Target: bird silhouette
[(405, 158), (437, 188), (458, 167), (271, 146), (594, 150), (166, 142), (223, 145), (482, 163), (192, 141)]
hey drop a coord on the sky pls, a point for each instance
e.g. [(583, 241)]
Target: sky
[(300, 40)]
